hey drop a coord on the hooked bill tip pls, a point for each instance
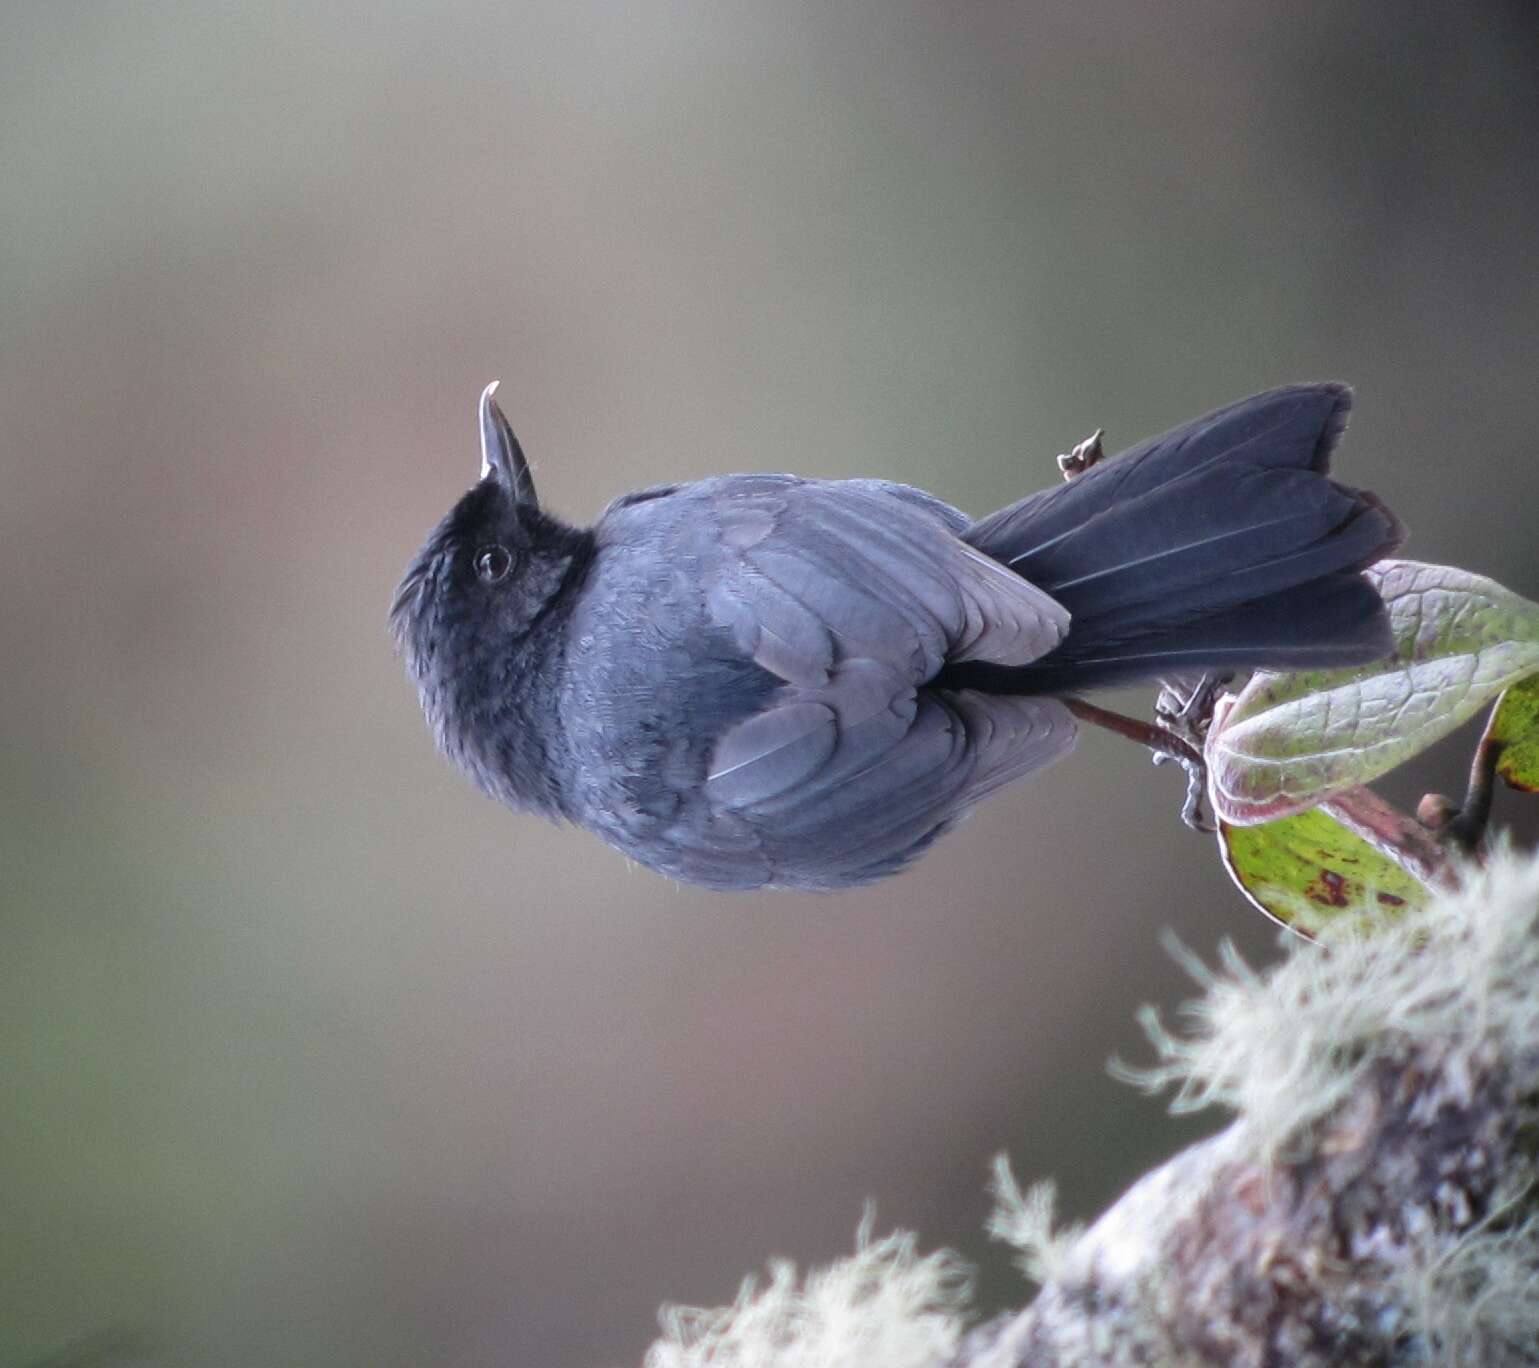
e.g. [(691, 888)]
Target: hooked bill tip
[(489, 413), (501, 456)]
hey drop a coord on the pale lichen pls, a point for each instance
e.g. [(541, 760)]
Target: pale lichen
[(1284, 1048), (1026, 1220), (1478, 1304), (1373, 1202), (886, 1304)]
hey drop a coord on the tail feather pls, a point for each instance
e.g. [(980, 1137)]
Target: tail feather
[(1322, 624), (1297, 426), (1220, 545), (1205, 542)]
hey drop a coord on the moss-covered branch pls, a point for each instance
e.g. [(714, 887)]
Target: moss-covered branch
[(1371, 1203)]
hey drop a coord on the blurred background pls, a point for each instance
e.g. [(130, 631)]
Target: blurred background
[(311, 1055)]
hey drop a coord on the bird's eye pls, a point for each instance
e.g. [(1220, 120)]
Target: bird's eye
[(493, 564)]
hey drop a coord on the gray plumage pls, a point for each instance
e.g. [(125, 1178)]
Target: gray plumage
[(761, 679)]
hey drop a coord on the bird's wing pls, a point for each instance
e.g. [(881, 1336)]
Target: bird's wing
[(848, 781), (809, 574), (855, 598)]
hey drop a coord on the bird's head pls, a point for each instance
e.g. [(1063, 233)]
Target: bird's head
[(468, 613)]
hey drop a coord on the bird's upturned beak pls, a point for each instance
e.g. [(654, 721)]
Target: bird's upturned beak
[(501, 455)]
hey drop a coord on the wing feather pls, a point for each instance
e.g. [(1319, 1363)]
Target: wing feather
[(809, 573), (854, 595)]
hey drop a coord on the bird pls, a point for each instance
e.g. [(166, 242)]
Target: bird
[(764, 680)]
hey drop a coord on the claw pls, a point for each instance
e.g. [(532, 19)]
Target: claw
[(1166, 743), (1192, 813), (1084, 455), (1189, 713)]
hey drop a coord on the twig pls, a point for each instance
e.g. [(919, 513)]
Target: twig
[(1394, 834), (1463, 826), (1165, 744)]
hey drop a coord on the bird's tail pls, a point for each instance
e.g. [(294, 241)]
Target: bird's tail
[(1221, 545)]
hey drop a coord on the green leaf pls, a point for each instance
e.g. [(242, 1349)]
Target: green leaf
[(1516, 725), (1308, 870), (1290, 740)]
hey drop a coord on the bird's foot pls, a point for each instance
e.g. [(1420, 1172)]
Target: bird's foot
[(1084, 455), (1196, 768), (1166, 743), (1187, 709)]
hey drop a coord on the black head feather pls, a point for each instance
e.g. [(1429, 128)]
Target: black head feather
[(477, 617)]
